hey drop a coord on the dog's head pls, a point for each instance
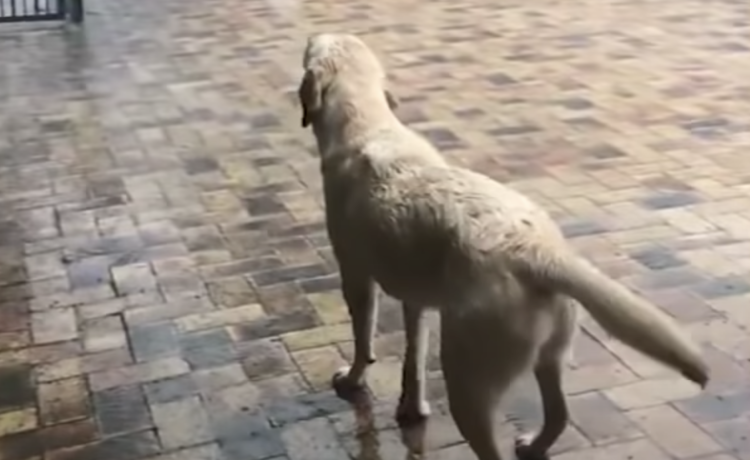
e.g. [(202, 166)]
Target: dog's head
[(331, 56)]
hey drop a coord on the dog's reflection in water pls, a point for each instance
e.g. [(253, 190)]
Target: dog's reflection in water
[(412, 436)]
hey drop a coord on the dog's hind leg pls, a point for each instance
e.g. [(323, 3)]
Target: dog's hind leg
[(479, 364), (361, 299), (413, 407), (548, 373)]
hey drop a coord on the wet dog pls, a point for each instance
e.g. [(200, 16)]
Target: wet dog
[(432, 235)]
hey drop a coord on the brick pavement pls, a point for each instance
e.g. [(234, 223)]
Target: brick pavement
[(166, 286)]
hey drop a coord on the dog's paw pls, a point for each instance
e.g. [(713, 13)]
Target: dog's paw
[(411, 413), (524, 450), (345, 387)]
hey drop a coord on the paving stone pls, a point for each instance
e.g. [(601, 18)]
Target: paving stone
[(208, 349), (104, 333), (218, 378), (651, 392), (71, 367), (205, 452), (121, 410), (127, 447), (312, 439), (731, 436), (266, 446), (18, 421), (599, 420), (265, 358), (133, 279), (318, 365), (56, 325), (154, 341), (17, 384), (633, 449), (289, 410), (170, 389), (231, 292), (673, 432), (225, 317), (63, 400), (181, 423), (138, 373)]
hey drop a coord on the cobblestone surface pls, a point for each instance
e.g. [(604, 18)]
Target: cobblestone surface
[(166, 286)]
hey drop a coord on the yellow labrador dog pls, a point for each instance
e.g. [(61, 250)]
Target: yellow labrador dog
[(432, 235)]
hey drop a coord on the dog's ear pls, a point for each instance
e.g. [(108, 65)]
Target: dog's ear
[(311, 95), (392, 101)]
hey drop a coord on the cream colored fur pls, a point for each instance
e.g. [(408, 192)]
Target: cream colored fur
[(437, 236)]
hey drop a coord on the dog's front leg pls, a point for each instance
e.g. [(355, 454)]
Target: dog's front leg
[(361, 299), (413, 407)]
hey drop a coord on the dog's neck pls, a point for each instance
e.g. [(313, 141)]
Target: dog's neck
[(348, 118)]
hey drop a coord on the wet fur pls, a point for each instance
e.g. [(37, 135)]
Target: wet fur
[(437, 236)]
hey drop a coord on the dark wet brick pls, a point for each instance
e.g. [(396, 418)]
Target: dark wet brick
[(199, 165), (171, 389), (89, 272), (69, 434), (706, 123), (149, 342), (391, 318), (132, 446), (275, 325), (410, 115), (14, 315), (265, 358), (63, 400), (442, 137), (263, 205), (299, 230), (266, 446), (231, 292), (576, 103), (287, 274), (121, 410), (667, 200), (321, 284), (313, 439), (657, 258), (514, 130), (722, 287), (107, 187), (573, 229), (501, 79), (304, 407), (16, 387), (283, 299), (203, 238), (605, 152), (30, 444), (265, 120), (238, 425), (208, 349), (242, 267)]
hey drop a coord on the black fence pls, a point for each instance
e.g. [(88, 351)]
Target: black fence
[(40, 10)]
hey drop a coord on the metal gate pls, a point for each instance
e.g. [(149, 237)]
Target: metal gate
[(32, 10)]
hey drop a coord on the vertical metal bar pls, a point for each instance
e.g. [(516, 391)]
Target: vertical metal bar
[(13, 7)]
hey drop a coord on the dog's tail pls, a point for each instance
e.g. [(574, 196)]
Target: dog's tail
[(620, 312)]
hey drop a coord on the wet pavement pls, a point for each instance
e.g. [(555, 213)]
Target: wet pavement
[(167, 290)]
